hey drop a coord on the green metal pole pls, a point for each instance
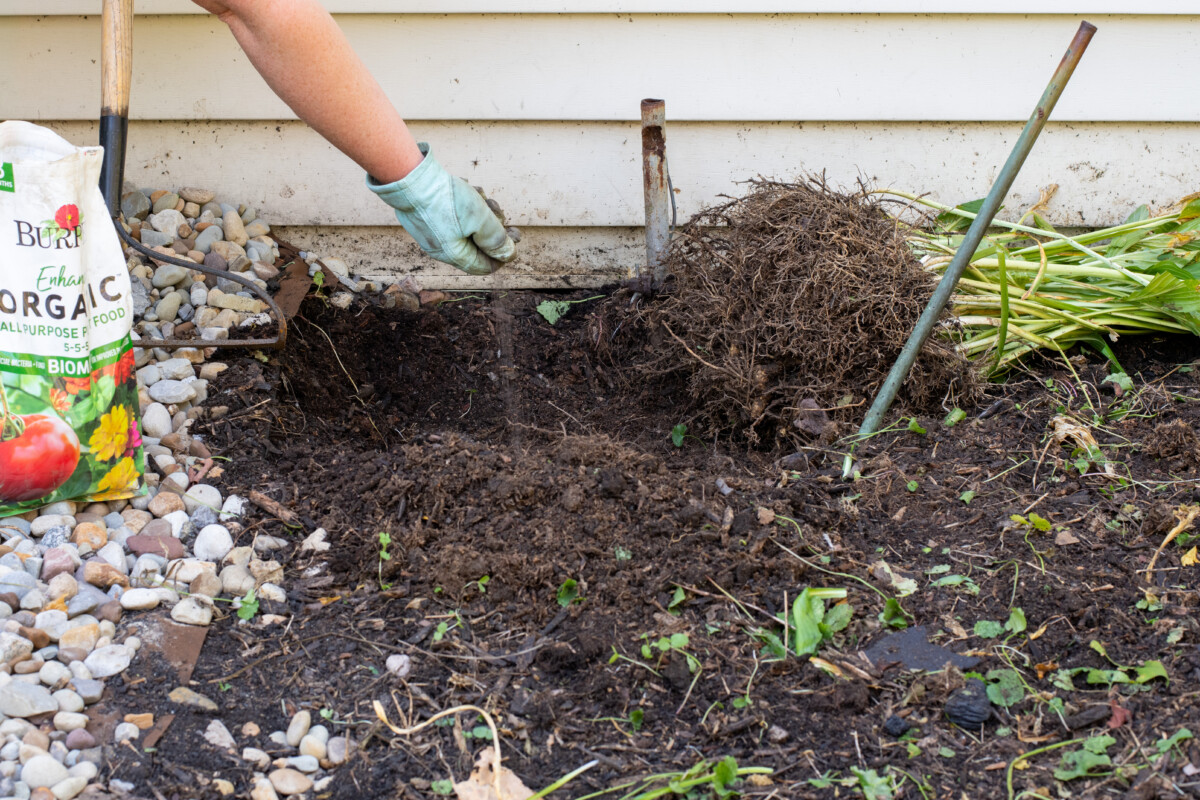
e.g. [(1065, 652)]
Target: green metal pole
[(991, 204)]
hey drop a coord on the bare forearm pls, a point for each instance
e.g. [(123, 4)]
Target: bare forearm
[(305, 58)]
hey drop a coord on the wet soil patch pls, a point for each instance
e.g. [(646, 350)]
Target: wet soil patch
[(488, 444)]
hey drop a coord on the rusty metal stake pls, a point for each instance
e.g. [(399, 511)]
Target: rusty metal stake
[(655, 181)]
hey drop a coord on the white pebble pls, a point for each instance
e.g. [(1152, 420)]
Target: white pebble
[(126, 732)]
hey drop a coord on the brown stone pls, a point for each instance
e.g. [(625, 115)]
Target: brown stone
[(82, 637), (68, 655), (36, 738), (144, 722), (199, 449), (135, 520), (88, 516), (157, 194), (28, 667), (103, 575), (10, 599), (164, 503), (431, 298), (110, 611), (158, 527), (167, 546), (38, 636), (175, 441), (89, 534)]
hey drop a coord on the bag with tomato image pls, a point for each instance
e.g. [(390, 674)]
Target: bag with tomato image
[(68, 395)]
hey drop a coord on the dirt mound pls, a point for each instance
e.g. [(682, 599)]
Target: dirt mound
[(793, 298), (1176, 442)]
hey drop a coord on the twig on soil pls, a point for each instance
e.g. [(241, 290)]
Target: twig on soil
[(491, 723), (1185, 521), (286, 516)]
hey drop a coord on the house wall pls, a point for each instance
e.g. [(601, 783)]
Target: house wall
[(537, 100)]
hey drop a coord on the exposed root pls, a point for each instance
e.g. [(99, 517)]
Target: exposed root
[(795, 293)]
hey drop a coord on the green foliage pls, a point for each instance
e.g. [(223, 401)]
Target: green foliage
[(955, 416), (1034, 522), (893, 615), (568, 593), (385, 539), (480, 732), (676, 600), (873, 785), (912, 486), (961, 582), (636, 719), (1165, 745), (915, 427), (1016, 621), (988, 629), (554, 310), (442, 787), (622, 555), (1005, 687), (1121, 674), (678, 434), (1083, 762), (808, 623), (967, 497), (248, 607)]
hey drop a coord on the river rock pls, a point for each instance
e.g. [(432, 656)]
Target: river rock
[(156, 422), (43, 771), (18, 699), (213, 543), (171, 392), (107, 661)]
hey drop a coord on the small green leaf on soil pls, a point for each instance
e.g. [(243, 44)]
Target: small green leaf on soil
[(1080, 763), (988, 629), (1016, 621), (967, 497), (903, 586), (954, 417), (568, 593), (1164, 745), (873, 785), (552, 310), (1005, 688), (915, 426), (1151, 670), (893, 615), (678, 433)]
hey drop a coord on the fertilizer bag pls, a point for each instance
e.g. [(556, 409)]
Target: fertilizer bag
[(68, 395)]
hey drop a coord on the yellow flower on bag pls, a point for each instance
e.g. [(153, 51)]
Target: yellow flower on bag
[(121, 480), (111, 435)]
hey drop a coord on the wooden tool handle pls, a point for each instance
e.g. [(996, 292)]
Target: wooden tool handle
[(116, 70), (116, 56)]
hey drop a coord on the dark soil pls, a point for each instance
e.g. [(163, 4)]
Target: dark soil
[(486, 442)]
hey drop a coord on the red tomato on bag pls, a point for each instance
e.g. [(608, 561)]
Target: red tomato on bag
[(39, 460)]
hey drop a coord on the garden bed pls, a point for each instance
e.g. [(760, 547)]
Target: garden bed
[(505, 458)]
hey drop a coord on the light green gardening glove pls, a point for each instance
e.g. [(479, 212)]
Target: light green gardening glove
[(449, 219)]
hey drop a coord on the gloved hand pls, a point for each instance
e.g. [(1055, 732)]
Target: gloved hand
[(449, 219)]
